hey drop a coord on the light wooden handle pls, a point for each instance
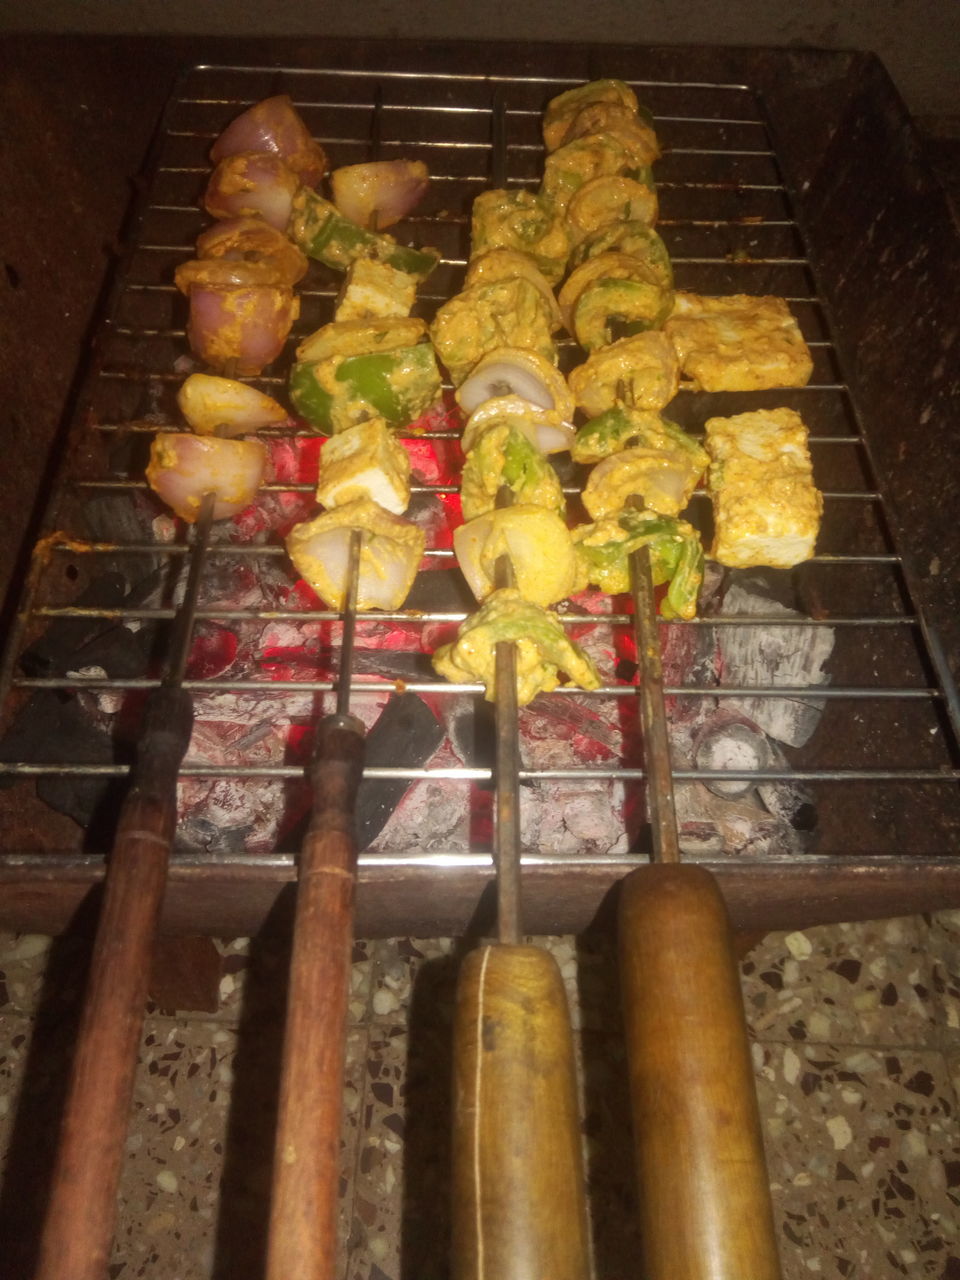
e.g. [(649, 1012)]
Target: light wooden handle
[(705, 1206), (519, 1211)]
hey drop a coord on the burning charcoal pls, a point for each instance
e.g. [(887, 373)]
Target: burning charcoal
[(733, 745), (407, 733), (789, 801), (780, 655)]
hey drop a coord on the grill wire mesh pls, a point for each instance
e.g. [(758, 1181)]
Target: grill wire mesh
[(880, 770)]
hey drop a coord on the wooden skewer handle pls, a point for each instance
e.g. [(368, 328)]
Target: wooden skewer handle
[(705, 1208), (519, 1209), (82, 1209), (306, 1172)]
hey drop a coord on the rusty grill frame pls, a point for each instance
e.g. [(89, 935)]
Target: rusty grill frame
[(215, 94)]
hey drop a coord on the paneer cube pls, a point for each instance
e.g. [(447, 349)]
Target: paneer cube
[(375, 290), (738, 343), (766, 507), (365, 461)]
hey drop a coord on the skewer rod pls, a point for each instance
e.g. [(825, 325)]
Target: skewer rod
[(81, 1214)]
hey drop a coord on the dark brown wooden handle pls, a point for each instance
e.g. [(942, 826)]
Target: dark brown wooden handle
[(704, 1198), (81, 1214), (306, 1172), (519, 1211)]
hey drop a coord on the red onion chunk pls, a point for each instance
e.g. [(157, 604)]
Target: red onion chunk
[(240, 331), (252, 182), (380, 193), (184, 467), (251, 240), (274, 125)]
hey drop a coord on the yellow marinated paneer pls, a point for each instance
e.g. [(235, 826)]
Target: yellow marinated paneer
[(766, 507), (375, 291), (365, 461), (738, 343)]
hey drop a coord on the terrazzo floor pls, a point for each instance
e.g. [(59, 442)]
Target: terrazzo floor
[(856, 1043)]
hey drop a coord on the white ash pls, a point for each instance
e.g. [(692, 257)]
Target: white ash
[(567, 819), (779, 655)]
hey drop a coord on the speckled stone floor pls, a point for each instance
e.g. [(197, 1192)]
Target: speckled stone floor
[(856, 1042)]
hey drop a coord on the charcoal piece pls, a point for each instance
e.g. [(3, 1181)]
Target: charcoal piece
[(392, 664), (50, 655), (53, 727), (406, 734), (441, 591)]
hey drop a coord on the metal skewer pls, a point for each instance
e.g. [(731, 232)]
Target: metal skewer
[(81, 1214), (519, 1200), (306, 1172), (705, 1211)]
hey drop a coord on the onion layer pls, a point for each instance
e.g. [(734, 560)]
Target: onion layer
[(510, 371), (380, 193), (544, 428), (224, 407), (183, 467), (252, 182), (274, 125), (241, 330)]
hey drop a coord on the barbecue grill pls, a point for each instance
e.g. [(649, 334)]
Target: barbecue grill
[(789, 174)]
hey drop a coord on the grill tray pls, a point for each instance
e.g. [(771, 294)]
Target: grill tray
[(882, 764)]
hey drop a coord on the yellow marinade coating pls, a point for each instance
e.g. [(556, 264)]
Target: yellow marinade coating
[(738, 343), (501, 313), (766, 507)]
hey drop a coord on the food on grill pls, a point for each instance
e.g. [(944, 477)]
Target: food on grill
[(633, 238), (183, 467), (503, 455), (537, 542), (251, 240), (365, 461), (322, 232), (504, 264), (608, 199), (615, 305), (544, 652), (613, 266), (397, 384), (766, 507), (379, 193), (623, 428), (509, 371), (676, 556), (640, 372), (738, 343), (664, 478), (239, 329), (373, 290), (523, 221), (596, 155), (252, 183), (360, 337), (503, 313), (274, 125), (389, 558), (563, 110), (224, 407), (634, 127), (544, 428)]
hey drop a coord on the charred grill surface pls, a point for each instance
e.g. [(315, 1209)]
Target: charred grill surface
[(863, 767)]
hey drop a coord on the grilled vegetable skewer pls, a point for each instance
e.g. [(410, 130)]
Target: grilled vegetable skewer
[(81, 1213), (519, 1201), (705, 1211), (306, 1172)]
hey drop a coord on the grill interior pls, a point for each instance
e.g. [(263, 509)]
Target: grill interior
[(878, 776)]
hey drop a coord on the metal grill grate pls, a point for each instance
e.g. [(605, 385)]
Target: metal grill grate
[(881, 767)]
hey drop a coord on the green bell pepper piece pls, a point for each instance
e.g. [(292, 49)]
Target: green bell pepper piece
[(676, 556), (339, 392), (323, 233), (610, 309)]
